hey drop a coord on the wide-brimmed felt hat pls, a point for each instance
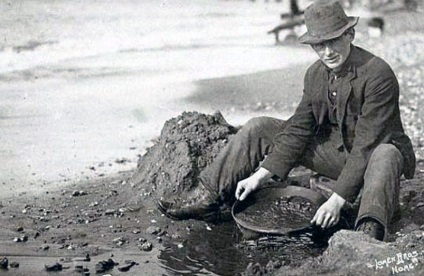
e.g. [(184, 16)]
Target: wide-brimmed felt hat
[(326, 20)]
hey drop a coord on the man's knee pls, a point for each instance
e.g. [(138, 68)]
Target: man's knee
[(386, 152), (385, 157), (255, 124)]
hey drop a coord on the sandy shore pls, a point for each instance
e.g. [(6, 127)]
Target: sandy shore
[(64, 226)]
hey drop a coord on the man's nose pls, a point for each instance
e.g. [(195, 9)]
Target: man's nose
[(328, 50)]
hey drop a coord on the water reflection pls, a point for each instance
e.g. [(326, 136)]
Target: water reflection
[(223, 251)]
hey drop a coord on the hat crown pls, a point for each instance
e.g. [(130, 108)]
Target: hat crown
[(325, 17)]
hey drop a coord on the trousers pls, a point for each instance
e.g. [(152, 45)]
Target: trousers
[(379, 196)]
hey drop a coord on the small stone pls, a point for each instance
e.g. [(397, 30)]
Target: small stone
[(20, 229), (146, 246), (17, 240), (14, 264), (24, 238), (45, 247), (103, 266), (119, 241), (53, 267), (136, 231), (153, 230), (4, 263), (78, 193), (93, 204), (127, 266), (110, 212), (420, 204), (79, 268)]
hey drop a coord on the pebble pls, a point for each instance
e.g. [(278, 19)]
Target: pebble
[(136, 231), (127, 266), (120, 241), (79, 268), (20, 229), (93, 204), (103, 266), (4, 263), (110, 212), (14, 264), (45, 247), (146, 246), (53, 267), (153, 230), (78, 193)]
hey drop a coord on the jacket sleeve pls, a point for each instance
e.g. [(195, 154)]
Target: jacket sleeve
[(379, 109), (290, 143)]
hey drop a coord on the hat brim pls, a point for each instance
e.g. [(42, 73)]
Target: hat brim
[(306, 38)]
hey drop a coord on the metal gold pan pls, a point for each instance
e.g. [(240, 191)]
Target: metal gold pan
[(268, 196)]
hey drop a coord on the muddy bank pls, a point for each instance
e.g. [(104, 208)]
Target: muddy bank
[(187, 144)]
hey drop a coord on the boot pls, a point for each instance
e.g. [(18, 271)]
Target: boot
[(372, 228), (199, 204)]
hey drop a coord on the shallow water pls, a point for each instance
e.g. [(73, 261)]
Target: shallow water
[(223, 251)]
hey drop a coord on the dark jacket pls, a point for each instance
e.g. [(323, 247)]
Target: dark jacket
[(368, 115)]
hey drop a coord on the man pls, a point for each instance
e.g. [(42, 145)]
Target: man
[(347, 127)]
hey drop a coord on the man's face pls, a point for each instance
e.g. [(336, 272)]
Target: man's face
[(333, 53)]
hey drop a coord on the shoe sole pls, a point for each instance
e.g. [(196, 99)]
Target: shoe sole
[(220, 215)]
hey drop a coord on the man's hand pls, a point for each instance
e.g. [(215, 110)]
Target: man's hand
[(248, 185), (328, 214)]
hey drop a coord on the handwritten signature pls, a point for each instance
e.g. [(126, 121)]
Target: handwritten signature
[(401, 262)]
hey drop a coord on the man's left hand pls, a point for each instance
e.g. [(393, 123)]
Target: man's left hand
[(328, 214)]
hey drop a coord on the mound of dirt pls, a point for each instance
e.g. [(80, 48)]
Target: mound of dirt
[(187, 144)]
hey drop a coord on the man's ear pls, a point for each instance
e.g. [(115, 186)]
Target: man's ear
[(351, 34)]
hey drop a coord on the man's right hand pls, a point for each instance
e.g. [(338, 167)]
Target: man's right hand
[(250, 184)]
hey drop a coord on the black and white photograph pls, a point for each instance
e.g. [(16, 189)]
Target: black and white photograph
[(211, 137)]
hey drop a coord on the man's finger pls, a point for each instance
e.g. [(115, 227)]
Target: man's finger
[(326, 219), (314, 219), (239, 190), (244, 194), (332, 222), (320, 217)]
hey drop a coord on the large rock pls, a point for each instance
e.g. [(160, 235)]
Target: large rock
[(187, 144), (354, 253)]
